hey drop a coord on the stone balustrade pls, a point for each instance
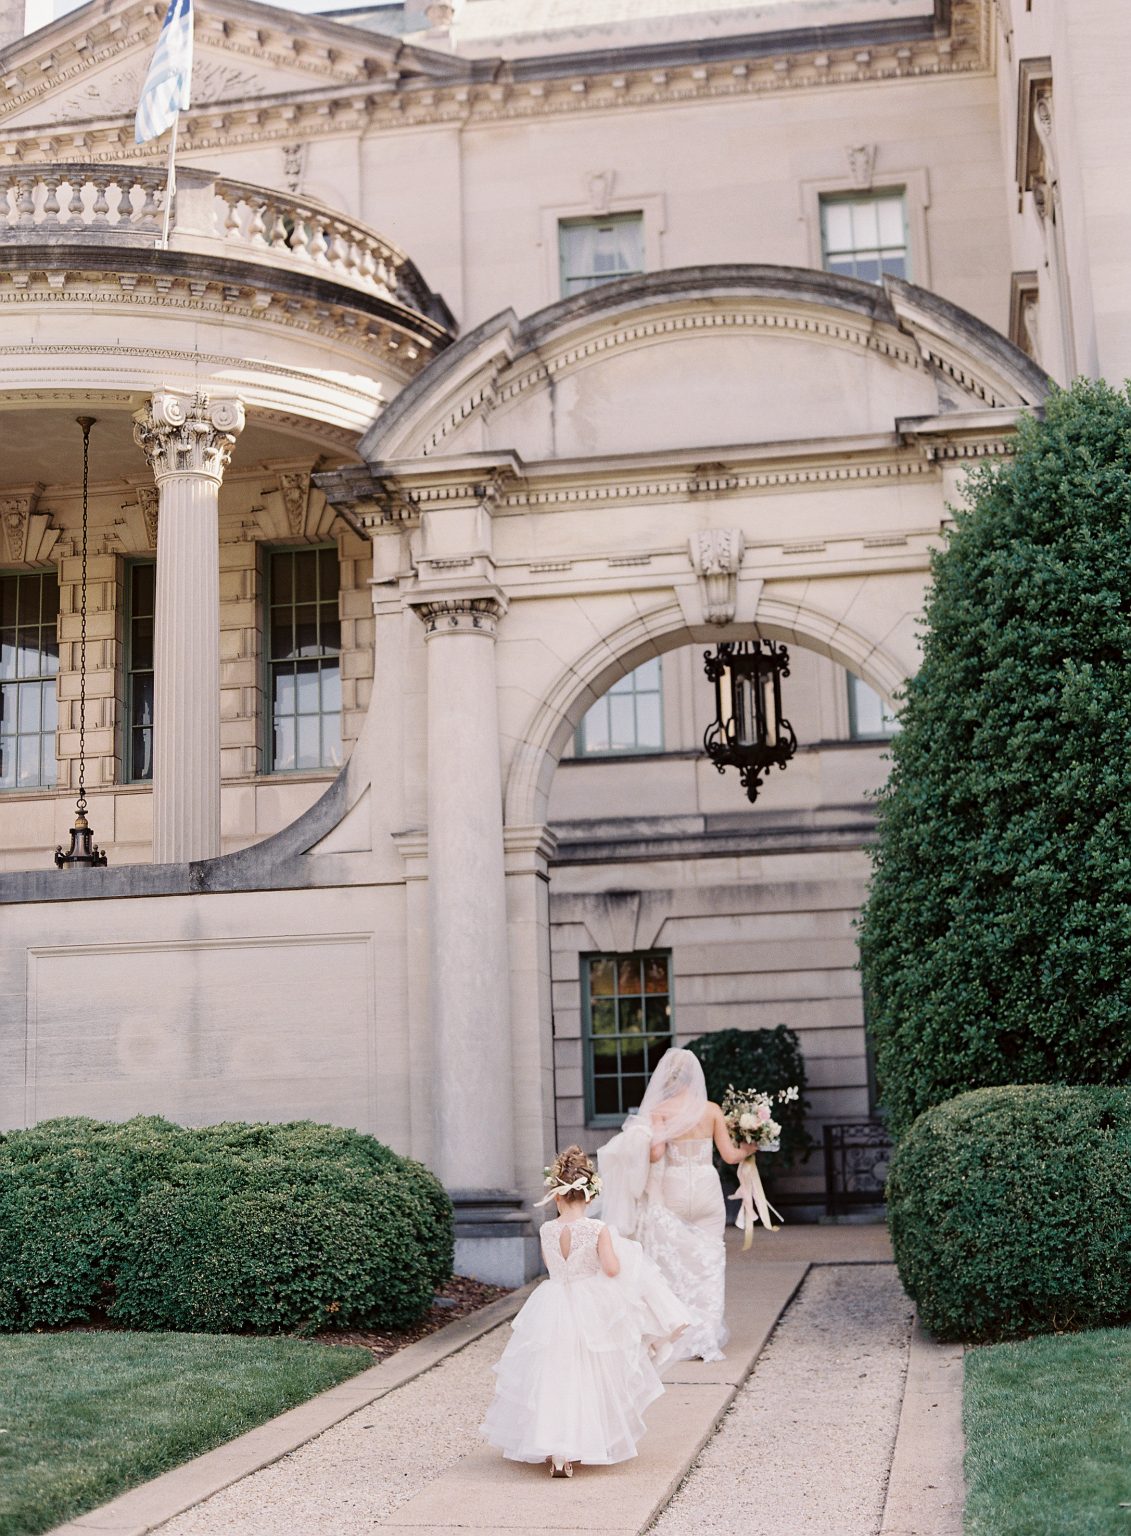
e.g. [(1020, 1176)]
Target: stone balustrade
[(68, 204)]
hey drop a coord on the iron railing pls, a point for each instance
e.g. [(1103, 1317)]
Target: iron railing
[(857, 1156)]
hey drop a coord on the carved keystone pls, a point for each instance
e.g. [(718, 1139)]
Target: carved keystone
[(716, 554)]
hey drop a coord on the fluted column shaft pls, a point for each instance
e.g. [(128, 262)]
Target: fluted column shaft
[(188, 441), (467, 907)]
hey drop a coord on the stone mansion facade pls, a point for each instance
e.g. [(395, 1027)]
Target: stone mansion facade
[(503, 358)]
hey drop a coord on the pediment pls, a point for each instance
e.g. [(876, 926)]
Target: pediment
[(88, 66), (777, 355)]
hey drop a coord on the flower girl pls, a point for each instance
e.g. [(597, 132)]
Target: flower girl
[(580, 1366)]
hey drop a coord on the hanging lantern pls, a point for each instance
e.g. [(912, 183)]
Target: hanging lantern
[(749, 731), (83, 850)]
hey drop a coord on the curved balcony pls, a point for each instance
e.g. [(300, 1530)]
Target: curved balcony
[(305, 311), (124, 206)]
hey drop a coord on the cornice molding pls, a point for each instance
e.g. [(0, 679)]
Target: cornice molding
[(54, 282), (371, 87), (402, 496)]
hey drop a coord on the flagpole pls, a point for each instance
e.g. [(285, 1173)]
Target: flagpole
[(170, 184)]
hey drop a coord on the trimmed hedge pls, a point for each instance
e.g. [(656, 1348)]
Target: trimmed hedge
[(996, 932), (765, 1060), (227, 1228), (1010, 1211)]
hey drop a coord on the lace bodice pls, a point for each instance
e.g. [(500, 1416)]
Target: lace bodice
[(695, 1150), (583, 1260)]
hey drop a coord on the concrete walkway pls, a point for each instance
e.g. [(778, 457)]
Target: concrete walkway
[(397, 1448)]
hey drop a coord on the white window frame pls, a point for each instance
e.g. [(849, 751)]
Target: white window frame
[(854, 733), (915, 188), (610, 754), (651, 210)]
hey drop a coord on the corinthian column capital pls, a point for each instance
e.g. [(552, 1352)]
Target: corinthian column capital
[(182, 434)]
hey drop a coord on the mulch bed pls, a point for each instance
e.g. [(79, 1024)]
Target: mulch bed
[(459, 1298)]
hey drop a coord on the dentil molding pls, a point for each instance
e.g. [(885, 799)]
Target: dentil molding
[(368, 88)]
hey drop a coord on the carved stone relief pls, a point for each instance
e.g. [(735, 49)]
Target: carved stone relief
[(294, 165), (147, 499), (28, 534), (294, 508), (861, 164), (601, 191), (716, 555), (116, 95), (295, 489)]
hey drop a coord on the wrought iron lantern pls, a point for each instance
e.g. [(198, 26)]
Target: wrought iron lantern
[(749, 731)]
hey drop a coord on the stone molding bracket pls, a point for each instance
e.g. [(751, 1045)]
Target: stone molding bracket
[(295, 509), (716, 555), (29, 536), (182, 434), (135, 532)]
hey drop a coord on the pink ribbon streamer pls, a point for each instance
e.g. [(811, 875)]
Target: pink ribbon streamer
[(752, 1195)]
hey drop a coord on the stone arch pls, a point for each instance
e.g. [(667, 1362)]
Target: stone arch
[(663, 628), (821, 421)]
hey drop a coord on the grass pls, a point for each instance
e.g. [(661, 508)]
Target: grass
[(1048, 1436), (84, 1416)]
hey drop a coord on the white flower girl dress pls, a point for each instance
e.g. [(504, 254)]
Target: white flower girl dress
[(580, 1367)]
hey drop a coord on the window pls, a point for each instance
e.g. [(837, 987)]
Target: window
[(868, 716), (629, 718), (594, 251), (29, 665), (865, 237), (304, 680), (141, 582), (627, 1027)]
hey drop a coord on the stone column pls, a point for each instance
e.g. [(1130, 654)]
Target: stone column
[(188, 441), (473, 1148)]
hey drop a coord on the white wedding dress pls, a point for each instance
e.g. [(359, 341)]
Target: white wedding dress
[(680, 1227), (580, 1367)]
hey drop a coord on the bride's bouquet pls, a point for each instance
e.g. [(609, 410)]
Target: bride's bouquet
[(750, 1117)]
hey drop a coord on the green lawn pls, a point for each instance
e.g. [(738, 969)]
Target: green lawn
[(83, 1416), (1048, 1436)]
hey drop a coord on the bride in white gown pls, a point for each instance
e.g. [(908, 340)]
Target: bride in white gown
[(660, 1186)]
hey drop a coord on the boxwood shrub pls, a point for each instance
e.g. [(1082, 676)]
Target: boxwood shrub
[(261, 1228), (997, 927), (1010, 1211), (766, 1060)]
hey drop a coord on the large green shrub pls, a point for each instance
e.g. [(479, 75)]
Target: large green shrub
[(267, 1228), (766, 1060), (996, 934), (1010, 1211)]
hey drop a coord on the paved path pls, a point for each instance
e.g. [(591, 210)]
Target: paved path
[(808, 1438), (414, 1461)]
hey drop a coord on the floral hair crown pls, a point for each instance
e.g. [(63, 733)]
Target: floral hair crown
[(588, 1184)]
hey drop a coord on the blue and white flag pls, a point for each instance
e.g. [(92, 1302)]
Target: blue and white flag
[(169, 81)]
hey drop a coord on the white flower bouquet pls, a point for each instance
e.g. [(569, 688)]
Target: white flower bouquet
[(750, 1117)]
